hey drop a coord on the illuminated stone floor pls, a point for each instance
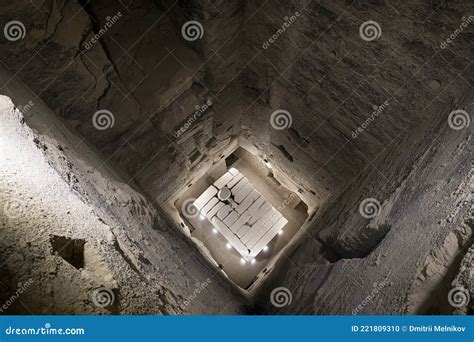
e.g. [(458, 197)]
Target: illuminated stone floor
[(240, 214), (257, 221)]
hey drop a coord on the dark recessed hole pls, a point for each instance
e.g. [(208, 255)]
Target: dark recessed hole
[(171, 149), (273, 179), (297, 138), (230, 160), (194, 156), (285, 152), (71, 250), (211, 142), (302, 207)]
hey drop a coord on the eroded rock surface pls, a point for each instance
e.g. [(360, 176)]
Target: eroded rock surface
[(369, 120)]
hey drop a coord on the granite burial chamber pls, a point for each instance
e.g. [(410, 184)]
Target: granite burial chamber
[(349, 119)]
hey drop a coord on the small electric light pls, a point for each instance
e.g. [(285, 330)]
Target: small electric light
[(242, 261), (201, 217), (280, 232), (214, 231), (265, 248), (228, 246), (253, 261)]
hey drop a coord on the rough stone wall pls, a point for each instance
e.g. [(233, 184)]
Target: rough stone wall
[(464, 278), (319, 69), (323, 74), (328, 78), (222, 40), (56, 188), (358, 265), (150, 78), (53, 61)]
